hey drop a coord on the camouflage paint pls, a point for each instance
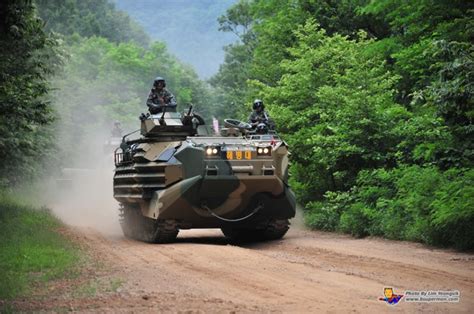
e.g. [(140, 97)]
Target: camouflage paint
[(170, 176)]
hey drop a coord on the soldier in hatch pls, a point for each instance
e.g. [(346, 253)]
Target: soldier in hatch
[(259, 118), (117, 130), (160, 97)]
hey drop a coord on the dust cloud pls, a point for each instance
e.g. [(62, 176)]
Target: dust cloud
[(82, 194), (297, 222), (88, 202)]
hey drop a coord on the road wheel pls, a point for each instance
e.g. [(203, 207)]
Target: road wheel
[(136, 226), (276, 229), (129, 221), (160, 231)]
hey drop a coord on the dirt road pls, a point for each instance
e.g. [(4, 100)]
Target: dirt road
[(304, 272)]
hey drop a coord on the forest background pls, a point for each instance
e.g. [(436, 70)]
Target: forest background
[(373, 97)]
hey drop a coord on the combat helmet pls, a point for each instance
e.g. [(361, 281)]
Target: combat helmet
[(159, 79), (258, 103)]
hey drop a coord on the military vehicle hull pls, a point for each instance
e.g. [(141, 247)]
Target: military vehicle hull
[(179, 181)]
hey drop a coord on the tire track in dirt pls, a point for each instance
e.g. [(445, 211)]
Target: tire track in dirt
[(304, 272), (299, 273)]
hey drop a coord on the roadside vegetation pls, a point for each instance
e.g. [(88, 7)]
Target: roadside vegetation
[(375, 99), (74, 78), (32, 249), (69, 70)]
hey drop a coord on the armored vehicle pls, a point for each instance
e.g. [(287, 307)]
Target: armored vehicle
[(179, 175)]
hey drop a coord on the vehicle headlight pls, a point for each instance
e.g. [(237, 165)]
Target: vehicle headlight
[(264, 151), (212, 150)]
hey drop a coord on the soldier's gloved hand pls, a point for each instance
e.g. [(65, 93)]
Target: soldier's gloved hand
[(154, 108), (143, 116)]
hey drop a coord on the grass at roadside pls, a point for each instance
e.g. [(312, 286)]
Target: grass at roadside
[(32, 251)]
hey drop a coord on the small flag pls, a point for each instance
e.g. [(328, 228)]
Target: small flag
[(215, 125)]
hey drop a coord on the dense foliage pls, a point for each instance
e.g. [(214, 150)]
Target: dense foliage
[(375, 99), (108, 74), (90, 18), (67, 76), (27, 58)]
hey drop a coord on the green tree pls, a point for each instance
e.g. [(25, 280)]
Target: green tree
[(375, 144), (105, 81), (90, 18), (335, 106), (231, 80), (27, 54), (265, 30), (413, 28), (452, 96)]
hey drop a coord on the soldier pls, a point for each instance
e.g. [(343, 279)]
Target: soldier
[(160, 97), (117, 130), (259, 116)]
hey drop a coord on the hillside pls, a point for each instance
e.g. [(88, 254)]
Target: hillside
[(189, 28)]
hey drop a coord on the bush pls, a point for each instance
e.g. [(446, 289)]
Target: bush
[(326, 215), (354, 220), (453, 210), (412, 203)]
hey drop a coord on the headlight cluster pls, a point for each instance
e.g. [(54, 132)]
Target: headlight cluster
[(264, 151), (212, 150)]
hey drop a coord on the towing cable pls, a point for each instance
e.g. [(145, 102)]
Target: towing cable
[(259, 206)]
